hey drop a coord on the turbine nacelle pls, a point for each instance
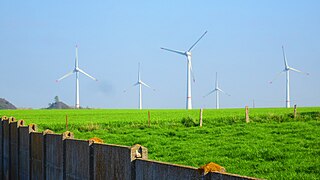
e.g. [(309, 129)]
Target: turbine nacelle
[(188, 53)]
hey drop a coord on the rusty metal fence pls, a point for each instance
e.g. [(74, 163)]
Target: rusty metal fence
[(27, 154)]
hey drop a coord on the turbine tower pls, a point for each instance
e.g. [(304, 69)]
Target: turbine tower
[(217, 90), (189, 69), (140, 83), (76, 70), (287, 69)]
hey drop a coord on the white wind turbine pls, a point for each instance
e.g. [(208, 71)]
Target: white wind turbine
[(140, 83), (76, 70), (287, 68), (189, 69), (217, 90)]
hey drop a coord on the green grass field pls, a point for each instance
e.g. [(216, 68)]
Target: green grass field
[(273, 145)]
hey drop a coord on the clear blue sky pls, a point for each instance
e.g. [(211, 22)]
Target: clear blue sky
[(243, 44)]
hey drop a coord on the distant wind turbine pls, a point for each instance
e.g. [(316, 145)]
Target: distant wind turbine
[(287, 68), (217, 90), (189, 69), (76, 70), (140, 83)]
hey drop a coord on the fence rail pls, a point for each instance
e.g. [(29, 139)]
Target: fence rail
[(27, 154)]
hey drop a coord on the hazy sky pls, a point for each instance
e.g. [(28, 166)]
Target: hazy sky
[(243, 44)]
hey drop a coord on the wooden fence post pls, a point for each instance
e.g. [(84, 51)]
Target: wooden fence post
[(66, 122), (54, 154), (77, 159), (6, 149), (149, 118), (4, 120), (247, 114), (295, 111), (38, 154), (201, 111), (14, 148), (24, 150)]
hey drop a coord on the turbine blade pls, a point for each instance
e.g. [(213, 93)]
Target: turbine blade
[(76, 59), (197, 41), (63, 77), (193, 76), (223, 92), (276, 76), (216, 79), (80, 70), (285, 58), (135, 84), (296, 70), (175, 51), (146, 85), (192, 73), (210, 93)]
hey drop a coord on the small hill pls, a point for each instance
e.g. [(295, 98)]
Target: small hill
[(58, 105), (4, 104)]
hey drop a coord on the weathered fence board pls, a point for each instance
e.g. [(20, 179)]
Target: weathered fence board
[(114, 161), (77, 159), (225, 176), (24, 151), (6, 150), (54, 155), (147, 169), (37, 155), (14, 148), (4, 118)]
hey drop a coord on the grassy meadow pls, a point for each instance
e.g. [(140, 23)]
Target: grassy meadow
[(273, 145)]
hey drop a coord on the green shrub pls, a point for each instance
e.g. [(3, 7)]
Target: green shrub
[(188, 122)]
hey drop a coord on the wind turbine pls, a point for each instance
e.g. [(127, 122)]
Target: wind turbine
[(140, 83), (76, 70), (217, 90), (287, 69), (189, 69)]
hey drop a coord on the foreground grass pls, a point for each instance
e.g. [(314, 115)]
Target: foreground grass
[(273, 145)]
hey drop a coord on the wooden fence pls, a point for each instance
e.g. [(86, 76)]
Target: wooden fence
[(28, 154)]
